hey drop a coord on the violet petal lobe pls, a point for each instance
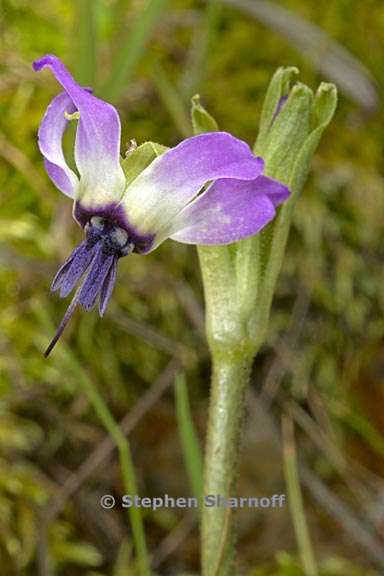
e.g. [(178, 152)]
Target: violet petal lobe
[(275, 190), (228, 211), (97, 148), (50, 138), (173, 179)]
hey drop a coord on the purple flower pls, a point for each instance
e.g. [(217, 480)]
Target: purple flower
[(207, 190)]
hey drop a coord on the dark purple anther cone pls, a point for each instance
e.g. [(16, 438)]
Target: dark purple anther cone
[(94, 260)]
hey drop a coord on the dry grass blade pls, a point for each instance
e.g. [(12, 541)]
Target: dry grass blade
[(343, 515), (360, 531), (153, 337), (44, 567), (174, 539), (286, 347), (22, 164), (106, 447), (191, 306), (332, 59)]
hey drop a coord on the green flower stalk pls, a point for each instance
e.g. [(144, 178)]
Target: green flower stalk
[(239, 282)]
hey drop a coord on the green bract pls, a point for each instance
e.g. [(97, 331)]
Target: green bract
[(137, 159)]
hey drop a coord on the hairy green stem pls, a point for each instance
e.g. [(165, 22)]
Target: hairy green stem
[(229, 380), (232, 355)]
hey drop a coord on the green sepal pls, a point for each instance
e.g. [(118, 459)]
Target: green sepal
[(282, 135), (279, 87), (139, 158), (279, 149), (287, 133), (269, 245), (202, 121), (73, 116)]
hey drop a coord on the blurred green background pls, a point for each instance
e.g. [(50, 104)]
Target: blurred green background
[(324, 359)]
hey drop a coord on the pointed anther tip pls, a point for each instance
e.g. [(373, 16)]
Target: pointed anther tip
[(49, 349), (102, 311), (52, 343), (67, 316)]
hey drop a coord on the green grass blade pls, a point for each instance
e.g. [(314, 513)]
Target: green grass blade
[(196, 66), (70, 363), (295, 497), (132, 49), (86, 37), (188, 437), (172, 100), (359, 423)]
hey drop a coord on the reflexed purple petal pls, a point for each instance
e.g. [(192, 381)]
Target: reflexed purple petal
[(107, 287), (97, 140), (77, 268), (50, 137), (229, 211), (162, 190), (62, 271), (95, 279)]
